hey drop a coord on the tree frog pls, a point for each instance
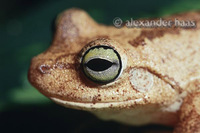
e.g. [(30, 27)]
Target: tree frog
[(135, 76)]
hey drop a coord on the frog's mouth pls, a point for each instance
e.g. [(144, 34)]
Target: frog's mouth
[(89, 106)]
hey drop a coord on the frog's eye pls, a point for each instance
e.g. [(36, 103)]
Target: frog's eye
[(101, 64)]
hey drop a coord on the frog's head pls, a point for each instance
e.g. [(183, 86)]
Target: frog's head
[(86, 67)]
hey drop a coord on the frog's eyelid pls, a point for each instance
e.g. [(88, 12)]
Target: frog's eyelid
[(113, 61)]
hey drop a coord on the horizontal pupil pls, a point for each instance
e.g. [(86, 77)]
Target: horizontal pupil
[(99, 64)]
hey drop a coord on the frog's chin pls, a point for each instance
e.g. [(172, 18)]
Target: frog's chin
[(89, 106)]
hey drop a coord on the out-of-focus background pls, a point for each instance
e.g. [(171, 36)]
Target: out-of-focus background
[(26, 29)]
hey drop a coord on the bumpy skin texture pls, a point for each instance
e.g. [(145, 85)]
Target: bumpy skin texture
[(160, 68), (190, 115)]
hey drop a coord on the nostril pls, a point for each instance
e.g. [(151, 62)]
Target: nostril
[(44, 69)]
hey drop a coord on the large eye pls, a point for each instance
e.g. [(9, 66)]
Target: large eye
[(101, 64)]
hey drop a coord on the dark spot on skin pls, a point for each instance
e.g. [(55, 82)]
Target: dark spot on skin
[(192, 53), (129, 98), (96, 99), (124, 91), (151, 34), (163, 61), (135, 43), (50, 84)]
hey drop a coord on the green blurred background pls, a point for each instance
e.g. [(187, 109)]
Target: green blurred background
[(26, 29)]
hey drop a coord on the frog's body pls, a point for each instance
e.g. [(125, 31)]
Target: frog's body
[(161, 68)]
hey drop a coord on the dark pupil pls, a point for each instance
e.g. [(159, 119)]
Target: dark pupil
[(99, 64)]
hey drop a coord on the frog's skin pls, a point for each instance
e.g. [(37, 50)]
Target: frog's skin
[(159, 84)]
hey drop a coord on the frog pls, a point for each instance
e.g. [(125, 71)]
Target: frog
[(135, 76)]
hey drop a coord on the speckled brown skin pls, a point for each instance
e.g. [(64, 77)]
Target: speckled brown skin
[(171, 56), (189, 115)]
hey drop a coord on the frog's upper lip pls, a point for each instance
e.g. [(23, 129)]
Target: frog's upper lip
[(89, 106)]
